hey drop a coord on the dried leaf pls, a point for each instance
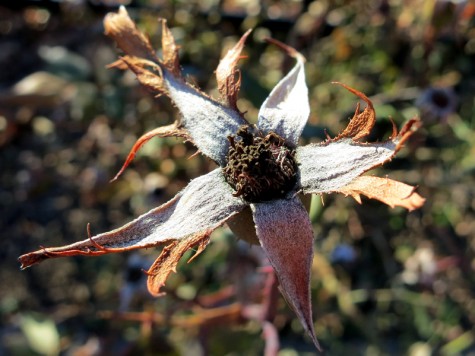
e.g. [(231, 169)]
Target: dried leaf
[(164, 131), (390, 192), (361, 123), (118, 64), (227, 75), (170, 51), (168, 259)]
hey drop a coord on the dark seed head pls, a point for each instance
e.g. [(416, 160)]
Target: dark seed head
[(260, 167)]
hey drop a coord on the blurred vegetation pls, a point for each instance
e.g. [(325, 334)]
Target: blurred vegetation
[(384, 281)]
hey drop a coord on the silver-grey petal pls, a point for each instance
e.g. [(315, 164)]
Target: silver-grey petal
[(205, 204), (286, 109), (208, 122), (327, 167), (285, 233)]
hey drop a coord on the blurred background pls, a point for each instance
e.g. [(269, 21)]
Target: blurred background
[(385, 281)]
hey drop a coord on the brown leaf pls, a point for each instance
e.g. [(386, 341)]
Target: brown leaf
[(388, 191), (361, 123), (170, 50), (163, 131), (123, 30), (227, 75), (168, 259)]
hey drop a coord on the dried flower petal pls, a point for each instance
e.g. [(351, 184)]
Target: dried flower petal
[(390, 192), (124, 31), (164, 131), (207, 122), (362, 122), (148, 73), (170, 51), (227, 75), (168, 259), (285, 233), (326, 167), (207, 202), (286, 109)]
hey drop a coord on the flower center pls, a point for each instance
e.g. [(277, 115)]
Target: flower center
[(259, 167)]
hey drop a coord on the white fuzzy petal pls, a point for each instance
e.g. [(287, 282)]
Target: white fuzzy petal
[(208, 122), (286, 109), (326, 167)]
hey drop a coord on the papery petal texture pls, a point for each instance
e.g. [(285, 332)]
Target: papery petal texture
[(285, 233), (170, 50), (362, 122), (326, 167), (205, 204), (171, 255), (228, 76), (388, 191), (132, 41), (286, 109)]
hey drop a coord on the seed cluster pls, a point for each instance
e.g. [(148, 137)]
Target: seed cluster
[(259, 167)]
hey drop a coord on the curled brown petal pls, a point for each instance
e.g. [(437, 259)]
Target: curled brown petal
[(388, 191), (169, 258), (227, 75), (123, 30), (164, 131), (362, 122), (170, 50)]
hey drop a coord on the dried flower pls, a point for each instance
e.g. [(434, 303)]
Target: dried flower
[(437, 104), (260, 167)]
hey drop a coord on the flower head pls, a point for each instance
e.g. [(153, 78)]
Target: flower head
[(261, 168), (437, 104)]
